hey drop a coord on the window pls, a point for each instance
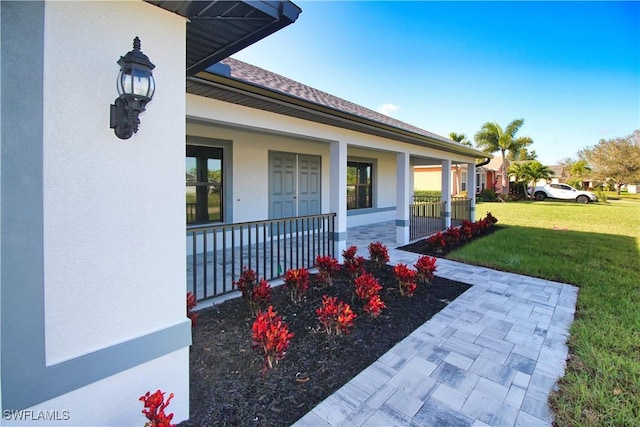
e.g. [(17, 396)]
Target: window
[(481, 182), (463, 184), (204, 185), (359, 185)]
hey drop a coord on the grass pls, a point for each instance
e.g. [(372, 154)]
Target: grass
[(597, 248), (612, 195)]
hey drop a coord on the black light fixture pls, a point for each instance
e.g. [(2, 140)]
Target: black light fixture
[(135, 87)]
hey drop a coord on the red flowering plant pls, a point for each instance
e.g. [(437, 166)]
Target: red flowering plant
[(490, 218), (260, 296), (483, 225), (425, 267), (246, 282), (437, 243), (297, 282), (154, 406), (374, 306), (335, 317), (352, 263), (452, 236), (406, 279), (466, 230), (367, 286), (378, 254), (271, 337), (440, 243), (327, 266), (191, 304), (257, 293)]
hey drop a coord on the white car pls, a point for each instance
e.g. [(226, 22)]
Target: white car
[(563, 192)]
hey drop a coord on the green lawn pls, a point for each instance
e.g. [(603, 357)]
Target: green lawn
[(612, 195), (597, 248)]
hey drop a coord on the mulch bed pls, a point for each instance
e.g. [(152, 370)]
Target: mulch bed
[(227, 386), (424, 248)]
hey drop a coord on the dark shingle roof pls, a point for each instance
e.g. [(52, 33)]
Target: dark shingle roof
[(258, 76)]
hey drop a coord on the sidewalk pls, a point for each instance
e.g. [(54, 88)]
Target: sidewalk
[(491, 357)]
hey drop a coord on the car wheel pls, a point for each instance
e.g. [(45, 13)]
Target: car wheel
[(582, 199), (540, 196)]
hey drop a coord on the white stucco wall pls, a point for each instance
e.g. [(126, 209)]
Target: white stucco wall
[(114, 256), (218, 112), (114, 401), (114, 221), (250, 188)]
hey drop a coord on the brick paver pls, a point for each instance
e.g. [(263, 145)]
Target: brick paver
[(491, 357)]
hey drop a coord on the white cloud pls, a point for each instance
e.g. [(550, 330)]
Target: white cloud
[(387, 109)]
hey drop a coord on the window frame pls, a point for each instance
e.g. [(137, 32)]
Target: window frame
[(481, 181), (203, 154), (362, 163)]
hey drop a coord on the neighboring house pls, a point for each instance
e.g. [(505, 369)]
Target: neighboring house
[(558, 176), (488, 175), (429, 178), (93, 270)]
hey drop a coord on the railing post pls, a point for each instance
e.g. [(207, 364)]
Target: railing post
[(403, 198), (446, 191)]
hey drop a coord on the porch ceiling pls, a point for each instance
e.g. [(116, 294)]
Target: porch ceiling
[(217, 84), (219, 28)]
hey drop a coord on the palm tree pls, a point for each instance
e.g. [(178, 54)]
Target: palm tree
[(461, 138), (538, 171), (521, 174), (579, 170), (491, 138), (530, 173)]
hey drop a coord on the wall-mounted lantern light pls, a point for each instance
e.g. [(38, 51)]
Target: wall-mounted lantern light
[(135, 87)]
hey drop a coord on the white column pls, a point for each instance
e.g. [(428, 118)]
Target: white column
[(403, 198), (446, 191), (338, 194), (471, 189)]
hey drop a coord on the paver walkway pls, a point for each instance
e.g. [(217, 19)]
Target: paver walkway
[(491, 357)]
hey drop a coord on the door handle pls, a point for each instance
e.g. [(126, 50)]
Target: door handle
[(295, 194)]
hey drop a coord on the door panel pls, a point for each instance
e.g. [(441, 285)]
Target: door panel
[(308, 185), (282, 182), (294, 185)]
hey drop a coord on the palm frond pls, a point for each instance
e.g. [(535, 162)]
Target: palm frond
[(514, 127)]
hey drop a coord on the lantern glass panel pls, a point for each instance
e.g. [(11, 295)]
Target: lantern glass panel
[(122, 77), (152, 86), (136, 82)]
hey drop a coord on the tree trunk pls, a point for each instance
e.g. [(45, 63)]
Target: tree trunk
[(505, 188)]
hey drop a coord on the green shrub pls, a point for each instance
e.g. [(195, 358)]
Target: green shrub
[(602, 196), (487, 195)]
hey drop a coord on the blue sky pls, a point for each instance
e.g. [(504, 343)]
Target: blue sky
[(571, 70)]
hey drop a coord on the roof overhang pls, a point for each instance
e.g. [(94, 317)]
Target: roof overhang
[(216, 86), (217, 29)]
